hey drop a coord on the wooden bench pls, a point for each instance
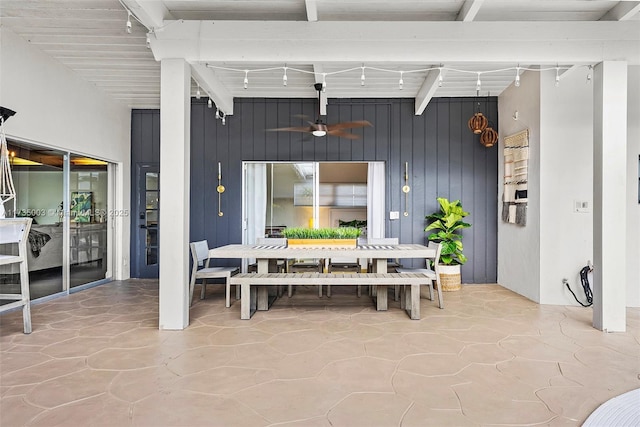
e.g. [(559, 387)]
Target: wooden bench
[(250, 301)]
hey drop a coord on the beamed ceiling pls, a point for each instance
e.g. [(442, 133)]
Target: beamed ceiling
[(330, 40)]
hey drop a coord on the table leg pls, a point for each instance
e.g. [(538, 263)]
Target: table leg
[(263, 298), (263, 291), (245, 301), (381, 290), (415, 302)]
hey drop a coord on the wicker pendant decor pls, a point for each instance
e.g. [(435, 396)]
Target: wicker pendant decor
[(478, 123), (489, 137)]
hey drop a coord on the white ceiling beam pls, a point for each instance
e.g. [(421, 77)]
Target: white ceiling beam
[(406, 42), (214, 87), (151, 13), (312, 10), (318, 71), (469, 10), (427, 90), (623, 11)]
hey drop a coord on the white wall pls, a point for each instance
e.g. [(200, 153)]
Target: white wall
[(56, 108), (518, 246), (633, 209), (557, 242), (566, 176)]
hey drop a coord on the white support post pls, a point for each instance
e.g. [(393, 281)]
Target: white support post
[(175, 112), (609, 195)]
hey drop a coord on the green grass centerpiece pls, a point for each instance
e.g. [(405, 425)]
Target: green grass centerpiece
[(323, 237)]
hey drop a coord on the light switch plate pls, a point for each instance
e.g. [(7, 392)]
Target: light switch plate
[(581, 206), (394, 215)]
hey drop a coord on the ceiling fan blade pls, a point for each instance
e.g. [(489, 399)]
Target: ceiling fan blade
[(347, 125), (342, 134), (293, 129)]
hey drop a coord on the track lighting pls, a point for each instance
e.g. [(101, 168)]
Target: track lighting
[(401, 81), (362, 77), (284, 77), (210, 103), (440, 77), (557, 77), (478, 84), (517, 76), (128, 22)]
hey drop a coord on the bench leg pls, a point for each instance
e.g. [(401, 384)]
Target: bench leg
[(381, 298), (415, 302), (403, 297), (245, 301)]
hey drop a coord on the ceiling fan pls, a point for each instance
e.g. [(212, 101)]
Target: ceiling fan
[(318, 128)]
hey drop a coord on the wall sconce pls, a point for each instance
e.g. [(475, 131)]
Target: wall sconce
[(406, 189), (220, 189)]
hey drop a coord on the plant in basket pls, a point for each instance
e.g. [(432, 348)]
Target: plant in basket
[(445, 226)]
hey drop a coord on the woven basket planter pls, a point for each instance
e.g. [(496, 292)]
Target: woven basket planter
[(450, 279)]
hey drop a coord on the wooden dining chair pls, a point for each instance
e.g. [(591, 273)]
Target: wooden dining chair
[(433, 274), (202, 271)]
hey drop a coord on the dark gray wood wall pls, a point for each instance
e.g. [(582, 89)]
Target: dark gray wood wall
[(445, 160)]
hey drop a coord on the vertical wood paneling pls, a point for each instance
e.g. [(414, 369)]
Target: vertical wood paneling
[(445, 159)]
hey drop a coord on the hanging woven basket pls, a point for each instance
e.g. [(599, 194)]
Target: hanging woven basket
[(489, 137), (477, 123)]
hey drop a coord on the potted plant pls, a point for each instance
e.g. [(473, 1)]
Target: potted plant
[(445, 225), (341, 236)]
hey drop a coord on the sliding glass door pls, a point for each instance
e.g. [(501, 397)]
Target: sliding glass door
[(278, 195)]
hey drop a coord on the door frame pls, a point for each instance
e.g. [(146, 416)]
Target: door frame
[(138, 269)]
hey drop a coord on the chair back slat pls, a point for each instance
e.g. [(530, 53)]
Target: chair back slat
[(436, 259), (199, 251), (276, 241), (383, 241), (14, 230)]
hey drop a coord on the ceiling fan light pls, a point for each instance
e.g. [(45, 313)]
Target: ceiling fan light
[(320, 130)]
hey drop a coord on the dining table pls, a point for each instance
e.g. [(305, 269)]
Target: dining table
[(264, 254)]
